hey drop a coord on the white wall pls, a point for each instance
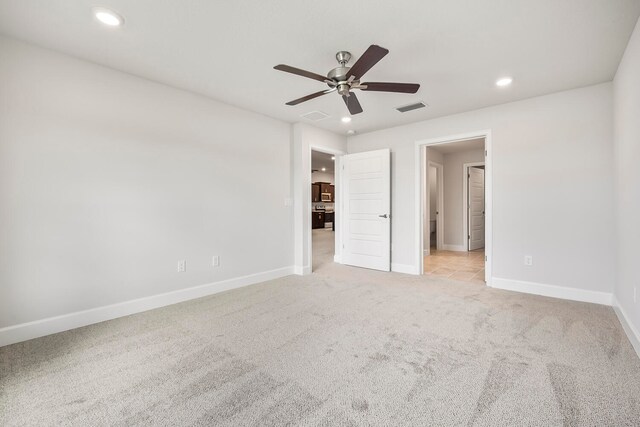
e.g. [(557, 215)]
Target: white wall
[(305, 138), (320, 176), (453, 196), (552, 192), (626, 89), (107, 180)]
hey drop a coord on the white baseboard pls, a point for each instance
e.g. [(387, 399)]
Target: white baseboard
[(455, 248), (65, 322), (629, 328), (403, 268), (301, 270), (554, 291)]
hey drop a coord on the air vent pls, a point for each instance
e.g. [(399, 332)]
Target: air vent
[(411, 107), (315, 116)]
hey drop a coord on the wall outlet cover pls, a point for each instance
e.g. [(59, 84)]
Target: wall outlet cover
[(215, 261), (182, 266), (528, 260)]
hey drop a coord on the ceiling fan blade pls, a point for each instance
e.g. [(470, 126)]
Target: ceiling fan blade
[(368, 59), (299, 72), (391, 87), (308, 97), (352, 103)]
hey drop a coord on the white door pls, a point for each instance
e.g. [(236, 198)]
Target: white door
[(366, 223), (476, 208)]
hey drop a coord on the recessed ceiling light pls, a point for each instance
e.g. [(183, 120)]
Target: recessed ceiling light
[(346, 119), (351, 132), (324, 169), (108, 17), (333, 157), (505, 81)]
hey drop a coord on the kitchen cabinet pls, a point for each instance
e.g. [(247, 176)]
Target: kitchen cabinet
[(328, 216), (315, 192), (321, 188), (325, 187), (317, 220)]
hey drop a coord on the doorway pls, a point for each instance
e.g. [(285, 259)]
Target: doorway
[(434, 224), (454, 238), (323, 212)]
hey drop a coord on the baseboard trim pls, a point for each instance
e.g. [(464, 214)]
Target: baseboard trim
[(403, 268), (337, 259), (554, 291), (301, 270), (454, 248), (632, 333), (39, 328)]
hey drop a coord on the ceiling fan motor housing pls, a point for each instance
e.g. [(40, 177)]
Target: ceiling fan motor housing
[(339, 75)]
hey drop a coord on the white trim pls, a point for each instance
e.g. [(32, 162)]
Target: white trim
[(65, 322), (403, 268), (420, 147), (455, 248), (562, 292), (632, 333), (465, 201)]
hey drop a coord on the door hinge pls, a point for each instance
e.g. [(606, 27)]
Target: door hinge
[(485, 153), (469, 237), (485, 258)]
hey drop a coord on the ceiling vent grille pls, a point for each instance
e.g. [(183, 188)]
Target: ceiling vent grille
[(411, 107), (315, 116)]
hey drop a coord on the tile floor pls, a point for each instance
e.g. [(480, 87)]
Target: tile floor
[(464, 266)]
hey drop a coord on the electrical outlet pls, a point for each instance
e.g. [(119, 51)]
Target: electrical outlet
[(528, 260), (182, 266), (215, 261)]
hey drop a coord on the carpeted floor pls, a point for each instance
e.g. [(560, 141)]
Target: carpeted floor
[(343, 346)]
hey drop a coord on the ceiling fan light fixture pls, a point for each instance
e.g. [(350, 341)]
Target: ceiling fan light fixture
[(351, 132), (346, 119)]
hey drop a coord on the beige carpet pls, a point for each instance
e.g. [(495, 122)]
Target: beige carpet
[(344, 346)]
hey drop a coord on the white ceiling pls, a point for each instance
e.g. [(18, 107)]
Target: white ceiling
[(322, 160), (454, 49), (458, 146)]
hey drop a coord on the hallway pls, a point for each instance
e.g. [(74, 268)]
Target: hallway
[(464, 266)]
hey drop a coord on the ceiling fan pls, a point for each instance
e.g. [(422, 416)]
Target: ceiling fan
[(345, 79)]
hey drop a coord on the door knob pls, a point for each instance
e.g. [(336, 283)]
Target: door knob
[(384, 216)]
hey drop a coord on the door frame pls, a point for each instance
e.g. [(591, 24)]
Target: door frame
[(420, 169), (439, 206), (465, 201)]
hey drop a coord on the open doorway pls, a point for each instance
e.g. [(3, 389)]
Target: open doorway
[(323, 212), (454, 230)]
